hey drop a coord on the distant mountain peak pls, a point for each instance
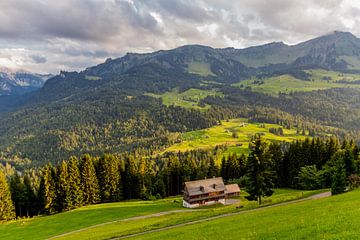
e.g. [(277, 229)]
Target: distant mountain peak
[(339, 34)]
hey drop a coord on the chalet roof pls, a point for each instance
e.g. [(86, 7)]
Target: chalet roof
[(232, 188), (205, 186)]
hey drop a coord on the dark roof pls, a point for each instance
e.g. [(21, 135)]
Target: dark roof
[(232, 188), (205, 186)]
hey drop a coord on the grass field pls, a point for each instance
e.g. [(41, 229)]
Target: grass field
[(336, 217), (188, 99), (122, 228), (223, 135), (286, 83), (200, 68), (45, 227), (49, 226)]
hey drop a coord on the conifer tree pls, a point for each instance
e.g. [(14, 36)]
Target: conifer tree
[(339, 179), (91, 191), (30, 205), (48, 190), (259, 171), (63, 189), (74, 181), (131, 183), (108, 172), (7, 210), (18, 194)]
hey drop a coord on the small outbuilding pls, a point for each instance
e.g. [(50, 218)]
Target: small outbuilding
[(232, 190)]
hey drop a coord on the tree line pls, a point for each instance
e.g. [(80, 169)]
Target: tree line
[(309, 164)]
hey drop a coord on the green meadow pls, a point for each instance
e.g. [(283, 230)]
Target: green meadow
[(114, 215), (187, 99), (223, 135), (319, 80), (121, 228), (48, 226), (336, 217)]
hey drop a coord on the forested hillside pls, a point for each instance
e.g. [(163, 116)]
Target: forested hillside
[(143, 102)]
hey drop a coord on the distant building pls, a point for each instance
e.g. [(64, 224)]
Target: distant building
[(207, 192)]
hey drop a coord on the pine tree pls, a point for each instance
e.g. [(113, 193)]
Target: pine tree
[(63, 189), (30, 205), (131, 183), (74, 181), (259, 171), (91, 191), (18, 194), (108, 175), (48, 190), (7, 210), (339, 179)]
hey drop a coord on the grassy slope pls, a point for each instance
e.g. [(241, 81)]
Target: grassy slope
[(222, 134), (287, 83), (331, 218), (188, 99), (44, 227), (200, 68), (128, 227)]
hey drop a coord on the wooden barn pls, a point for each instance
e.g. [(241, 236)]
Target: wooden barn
[(207, 192)]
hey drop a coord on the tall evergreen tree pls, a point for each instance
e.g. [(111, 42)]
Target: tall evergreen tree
[(7, 210), (74, 181), (48, 190), (108, 172), (339, 179), (91, 191), (18, 194), (31, 206), (63, 189), (130, 179), (259, 170)]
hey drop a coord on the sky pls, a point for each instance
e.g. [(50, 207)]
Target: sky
[(46, 36)]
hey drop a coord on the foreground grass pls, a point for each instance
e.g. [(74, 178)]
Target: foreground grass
[(223, 135), (48, 226), (122, 228), (336, 217)]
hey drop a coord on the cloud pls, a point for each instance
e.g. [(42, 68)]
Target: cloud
[(38, 59), (72, 34)]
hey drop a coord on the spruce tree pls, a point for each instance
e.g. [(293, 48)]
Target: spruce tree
[(91, 191), (259, 171), (30, 205), (108, 175), (7, 210), (63, 189), (130, 178), (18, 194), (48, 190), (74, 181), (339, 179)]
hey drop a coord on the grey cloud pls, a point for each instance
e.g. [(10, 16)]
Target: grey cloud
[(38, 59), (74, 34)]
